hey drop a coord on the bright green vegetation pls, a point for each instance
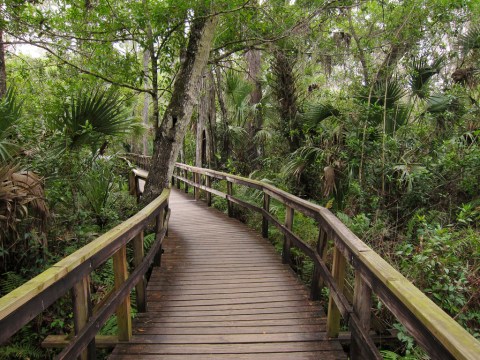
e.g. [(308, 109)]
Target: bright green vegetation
[(370, 109)]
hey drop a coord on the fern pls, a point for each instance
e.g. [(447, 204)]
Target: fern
[(20, 352), (10, 282)]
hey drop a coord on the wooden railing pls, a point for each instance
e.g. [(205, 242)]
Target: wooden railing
[(73, 274), (439, 335)]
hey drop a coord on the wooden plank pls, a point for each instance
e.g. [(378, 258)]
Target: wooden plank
[(60, 341), (194, 349), (159, 329), (300, 355)]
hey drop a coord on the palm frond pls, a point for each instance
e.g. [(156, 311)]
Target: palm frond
[(388, 96), (381, 94), (300, 159), (92, 115), (316, 113), (440, 103), (421, 73), (236, 133), (471, 40), (262, 136)]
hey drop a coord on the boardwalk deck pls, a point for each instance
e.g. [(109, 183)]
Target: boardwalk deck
[(222, 293)]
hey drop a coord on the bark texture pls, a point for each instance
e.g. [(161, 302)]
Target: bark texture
[(205, 145), (170, 134), (3, 73), (146, 101)]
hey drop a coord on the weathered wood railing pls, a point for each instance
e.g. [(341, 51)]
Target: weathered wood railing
[(73, 274), (439, 335)]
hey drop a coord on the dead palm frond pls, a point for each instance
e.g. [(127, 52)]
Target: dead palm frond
[(329, 181), (20, 190)]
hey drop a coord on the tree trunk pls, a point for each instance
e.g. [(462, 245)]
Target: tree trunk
[(146, 101), (211, 122), (205, 147), (3, 72), (170, 134), (201, 120), (225, 144), (253, 58)]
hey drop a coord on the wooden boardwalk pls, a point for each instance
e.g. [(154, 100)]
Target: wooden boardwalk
[(223, 293)]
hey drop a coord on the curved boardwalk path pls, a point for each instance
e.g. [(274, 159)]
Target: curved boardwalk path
[(223, 293)]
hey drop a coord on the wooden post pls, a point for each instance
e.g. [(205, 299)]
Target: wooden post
[(208, 184), (132, 190), (124, 320), (198, 180), (229, 203), (178, 174), (317, 281), (333, 315), (137, 188), (362, 307), (82, 310), (289, 212), (158, 229), (185, 175), (266, 207), (140, 288), (195, 189)]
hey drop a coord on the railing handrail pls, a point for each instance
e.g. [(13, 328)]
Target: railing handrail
[(23, 304), (439, 334)]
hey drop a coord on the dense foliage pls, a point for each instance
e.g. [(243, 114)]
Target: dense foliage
[(369, 108)]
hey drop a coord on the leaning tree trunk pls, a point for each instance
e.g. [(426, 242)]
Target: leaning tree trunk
[(170, 134)]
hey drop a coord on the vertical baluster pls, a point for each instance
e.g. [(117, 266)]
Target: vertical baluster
[(229, 203), (124, 320), (338, 272), (266, 207), (362, 307), (208, 183), (82, 310), (178, 174), (289, 213), (185, 175), (140, 288)]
